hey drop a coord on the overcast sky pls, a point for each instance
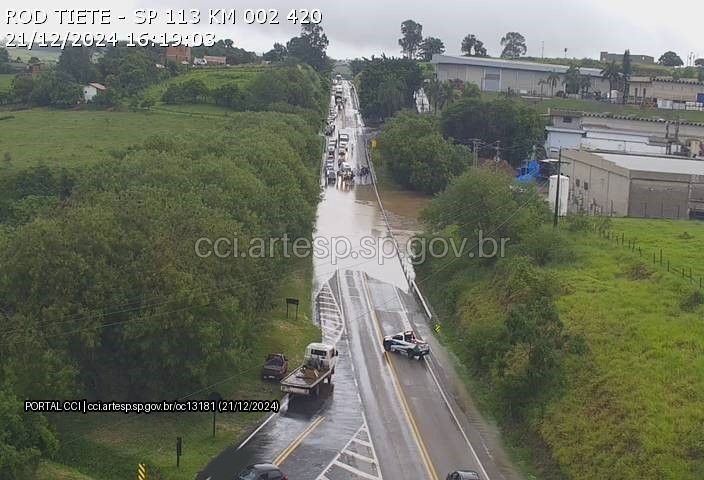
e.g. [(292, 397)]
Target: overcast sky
[(366, 27)]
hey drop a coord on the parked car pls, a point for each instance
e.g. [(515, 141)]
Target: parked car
[(275, 366), (463, 475), (262, 471)]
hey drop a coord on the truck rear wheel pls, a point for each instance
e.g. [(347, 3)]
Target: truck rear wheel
[(387, 346)]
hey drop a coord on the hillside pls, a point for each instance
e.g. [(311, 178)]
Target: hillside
[(587, 349)]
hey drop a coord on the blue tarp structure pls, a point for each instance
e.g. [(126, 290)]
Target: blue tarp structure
[(530, 172)]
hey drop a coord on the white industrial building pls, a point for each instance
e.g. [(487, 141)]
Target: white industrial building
[(605, 131), (500, 75)]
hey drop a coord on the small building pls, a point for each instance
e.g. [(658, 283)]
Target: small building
[(501, 75), (644, 186), (91, 90), (178, 54), (624, 133), (654, 90), (201, 62), (214, 60), (35, 68), (607, 57)]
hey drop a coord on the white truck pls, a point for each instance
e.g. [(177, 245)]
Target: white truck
[(318, 365)]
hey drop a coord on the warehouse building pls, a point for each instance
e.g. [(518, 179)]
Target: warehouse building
[(618, 184), (607, 57), (500, 75)]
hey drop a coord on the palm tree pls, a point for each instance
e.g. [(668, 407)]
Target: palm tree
[(612, 74), (447, 94), (553, 80), (542, 82), (432, 91)]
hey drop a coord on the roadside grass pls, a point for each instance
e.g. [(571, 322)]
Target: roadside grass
[(680, 241), (632, 405), (109, 447), (75, 137), (6, 81), (635, 402), (212, 77)]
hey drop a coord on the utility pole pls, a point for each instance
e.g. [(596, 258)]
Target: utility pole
[(474, 152), (542, 49), (498, 148), (557, 189)]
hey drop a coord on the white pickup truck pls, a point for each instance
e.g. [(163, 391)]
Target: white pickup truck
[(318, 365)]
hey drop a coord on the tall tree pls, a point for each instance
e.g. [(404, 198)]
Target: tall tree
[(276, 54), (473, 47), (573, 79), (612, 74), (670, 59), (412, 38), (514, 45), (626, 71), (430, 47), (77, 62)]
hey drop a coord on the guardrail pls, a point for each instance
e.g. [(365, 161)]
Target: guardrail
[(406, 265)]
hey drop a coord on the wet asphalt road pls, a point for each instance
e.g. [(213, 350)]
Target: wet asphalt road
[(385, 416)]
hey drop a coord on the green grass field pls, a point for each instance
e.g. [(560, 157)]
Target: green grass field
[(212, 77), (44, 55), (634, 405), (70, 138), (6, 81), (109, 447)]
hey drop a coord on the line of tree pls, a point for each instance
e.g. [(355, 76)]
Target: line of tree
[(309, 47), (226, 48), (415, 46), (280, 88)]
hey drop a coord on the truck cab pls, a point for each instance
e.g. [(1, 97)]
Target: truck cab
[(321, 357)]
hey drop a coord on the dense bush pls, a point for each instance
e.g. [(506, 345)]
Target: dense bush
[(417, 156), (104, 295), (517, 126)]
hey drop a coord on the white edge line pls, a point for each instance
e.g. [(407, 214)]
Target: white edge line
[(444, 397), (263, 424), (452, 412)]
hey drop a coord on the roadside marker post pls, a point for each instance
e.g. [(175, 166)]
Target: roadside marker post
[(179, 448), (292, 301), (217, 398), (141, 471)]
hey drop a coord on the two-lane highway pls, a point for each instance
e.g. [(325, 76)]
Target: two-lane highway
[(386, 416)]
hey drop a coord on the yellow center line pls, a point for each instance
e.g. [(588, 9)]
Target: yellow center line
[(425, 456), (297, 441)]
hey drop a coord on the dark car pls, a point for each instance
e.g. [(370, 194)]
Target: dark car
[(463, 475), (275, 366), (262, 471)]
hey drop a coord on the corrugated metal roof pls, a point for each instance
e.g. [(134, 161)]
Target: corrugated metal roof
[(656, 164), (509, 64)]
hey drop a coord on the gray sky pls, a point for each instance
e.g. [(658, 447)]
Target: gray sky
[(366, 27)]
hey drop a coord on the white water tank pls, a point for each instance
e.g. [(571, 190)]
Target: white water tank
[(564, 193)]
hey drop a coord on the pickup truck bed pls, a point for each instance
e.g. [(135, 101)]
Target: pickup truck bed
[(304, 381)]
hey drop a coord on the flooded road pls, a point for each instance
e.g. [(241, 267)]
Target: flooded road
[(385, 416)]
